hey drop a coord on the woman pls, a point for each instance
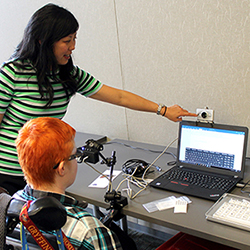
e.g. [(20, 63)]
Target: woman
[(39, 80)]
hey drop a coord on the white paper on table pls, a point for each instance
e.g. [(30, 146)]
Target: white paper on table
[(101, 181), (153, 205), (166, 203), (180, 206)]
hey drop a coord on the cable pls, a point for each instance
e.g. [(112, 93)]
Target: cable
[(133, 147), (110, 183), (158, 157), (140, 181)]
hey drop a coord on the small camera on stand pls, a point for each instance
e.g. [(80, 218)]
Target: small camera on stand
[(91, 150), (205, 115), (89, 153)]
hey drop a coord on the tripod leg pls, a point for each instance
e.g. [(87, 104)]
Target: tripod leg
[(97, 212)]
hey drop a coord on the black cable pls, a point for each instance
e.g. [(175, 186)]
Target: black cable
[(149, 150)]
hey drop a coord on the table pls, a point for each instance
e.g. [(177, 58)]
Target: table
[(193, 222)]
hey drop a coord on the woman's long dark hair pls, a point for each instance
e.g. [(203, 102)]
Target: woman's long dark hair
[(47, 25)]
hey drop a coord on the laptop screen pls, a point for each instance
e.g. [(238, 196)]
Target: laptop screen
[(212, 145)]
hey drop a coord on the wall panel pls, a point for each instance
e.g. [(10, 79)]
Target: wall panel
[(189, 52)]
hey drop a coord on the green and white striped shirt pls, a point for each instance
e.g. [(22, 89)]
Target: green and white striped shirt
[(21, 101)]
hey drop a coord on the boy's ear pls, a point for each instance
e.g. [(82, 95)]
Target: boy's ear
[(61, 168)]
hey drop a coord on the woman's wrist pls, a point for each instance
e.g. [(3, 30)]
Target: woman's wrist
[(165, 110), (162, 109)]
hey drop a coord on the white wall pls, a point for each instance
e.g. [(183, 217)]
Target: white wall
[(189, 52)]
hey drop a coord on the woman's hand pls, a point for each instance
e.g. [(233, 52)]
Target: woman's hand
[(175, 113)]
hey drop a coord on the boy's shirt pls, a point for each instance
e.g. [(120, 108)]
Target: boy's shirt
[(82, 229)]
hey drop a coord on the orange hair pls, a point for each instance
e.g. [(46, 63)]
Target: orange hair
[(41, 144)]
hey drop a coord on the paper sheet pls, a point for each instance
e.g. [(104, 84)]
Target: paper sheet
[(101, 181), (179, 204)]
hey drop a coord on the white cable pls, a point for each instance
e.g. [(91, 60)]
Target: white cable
[(139, 182), (143, 180), (110, 183), (166, 148)]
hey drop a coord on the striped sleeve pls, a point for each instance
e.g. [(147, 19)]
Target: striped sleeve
[(87, 84)]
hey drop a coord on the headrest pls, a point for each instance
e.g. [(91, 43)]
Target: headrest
[(47, 213), (15, 208)]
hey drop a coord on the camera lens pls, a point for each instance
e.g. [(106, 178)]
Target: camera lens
[(204, 115)]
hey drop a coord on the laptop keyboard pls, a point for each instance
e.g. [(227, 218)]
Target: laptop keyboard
[(208, 158), (197, 179)]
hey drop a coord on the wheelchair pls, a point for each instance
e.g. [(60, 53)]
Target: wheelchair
[(47, 214)]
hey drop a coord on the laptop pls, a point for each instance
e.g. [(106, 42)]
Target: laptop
[(210, 160)]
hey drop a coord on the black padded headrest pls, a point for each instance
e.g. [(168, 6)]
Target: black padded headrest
[(47, 213), (15, 208)]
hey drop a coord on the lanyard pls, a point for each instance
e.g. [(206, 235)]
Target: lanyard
[(37, 235)]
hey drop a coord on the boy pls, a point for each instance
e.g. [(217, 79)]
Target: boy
[(47, 154)]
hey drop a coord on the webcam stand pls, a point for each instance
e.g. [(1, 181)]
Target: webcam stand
[(91, 151), (113, 197)]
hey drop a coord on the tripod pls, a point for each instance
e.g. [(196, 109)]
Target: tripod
[(116, 200), (92, 151)]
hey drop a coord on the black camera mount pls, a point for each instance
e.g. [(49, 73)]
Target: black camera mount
[(91, 153)]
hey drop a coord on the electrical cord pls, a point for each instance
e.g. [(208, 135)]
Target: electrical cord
[(142, 181), (244, 187), (108, 178), (133, 147)]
